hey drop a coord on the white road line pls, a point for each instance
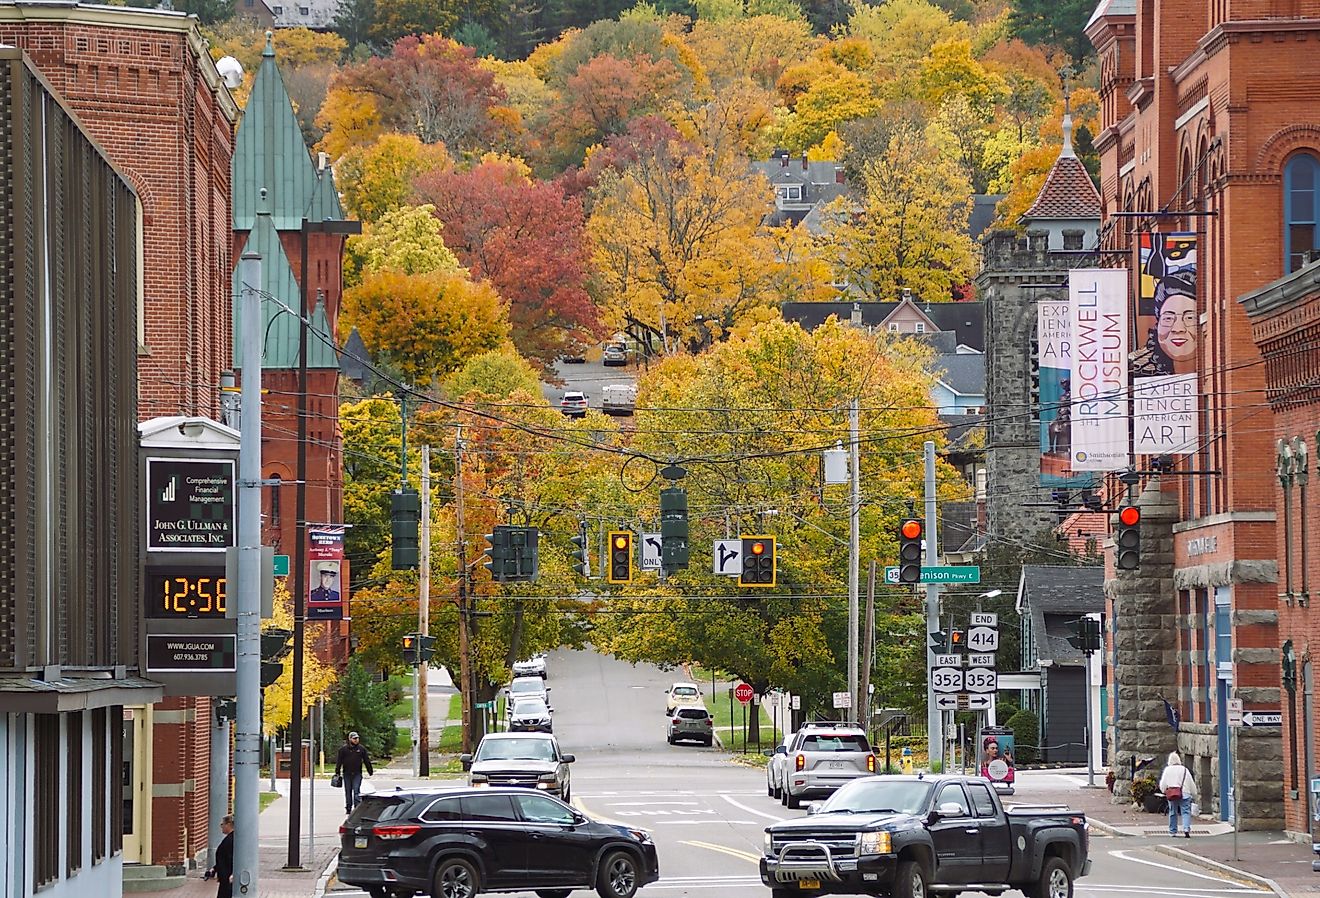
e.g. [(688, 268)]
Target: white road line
[(1183, 871), (744, 807)]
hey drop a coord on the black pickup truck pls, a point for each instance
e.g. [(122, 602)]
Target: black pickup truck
[(910, 836)]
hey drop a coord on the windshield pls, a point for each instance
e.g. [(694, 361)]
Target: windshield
[(530, 707), (904, 796), (685, 691), (516, 750)]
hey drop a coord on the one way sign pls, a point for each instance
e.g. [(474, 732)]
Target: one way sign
[(1262, 718), (728, 557)]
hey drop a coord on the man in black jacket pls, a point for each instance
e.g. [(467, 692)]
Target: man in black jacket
[(349, 763), (224, 858)]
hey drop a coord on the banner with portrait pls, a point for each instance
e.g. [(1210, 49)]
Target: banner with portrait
[(1099, 368), (1054, 358), (1164, 360), (327, 587)]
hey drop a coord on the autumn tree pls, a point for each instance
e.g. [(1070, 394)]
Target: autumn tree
[(318, 678), (756, 49), (425, 325), (1057, 23), (407, 240), (377, 178), (527, 239), (910, 227), (903, 31)]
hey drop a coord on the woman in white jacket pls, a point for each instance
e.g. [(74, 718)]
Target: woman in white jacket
[(1176, 776)]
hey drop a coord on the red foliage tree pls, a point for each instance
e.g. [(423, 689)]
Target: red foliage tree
[(528, 239)]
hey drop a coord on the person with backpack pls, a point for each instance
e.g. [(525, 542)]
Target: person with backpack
[(1179, 789)]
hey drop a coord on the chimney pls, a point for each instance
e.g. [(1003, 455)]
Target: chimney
[(838, 174), (804, 160)]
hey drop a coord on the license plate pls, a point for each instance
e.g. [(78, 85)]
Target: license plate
[(838, 765), (809, 884), (360, 842)]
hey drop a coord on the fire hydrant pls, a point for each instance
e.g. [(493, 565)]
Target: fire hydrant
[(906, 760)]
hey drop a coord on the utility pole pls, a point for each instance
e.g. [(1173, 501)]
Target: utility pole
[(868, 649), (464, 647), (424, 616), (934, 718), (247, 729), (854, 547)]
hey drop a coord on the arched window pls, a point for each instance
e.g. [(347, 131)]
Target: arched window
[(1301, 210)]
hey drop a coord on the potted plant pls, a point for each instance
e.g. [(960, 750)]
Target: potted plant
[(1144, 793), (1109, 782)]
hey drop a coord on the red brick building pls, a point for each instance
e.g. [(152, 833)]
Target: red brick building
[(1206, 107), (1285, 316), (144, 87)]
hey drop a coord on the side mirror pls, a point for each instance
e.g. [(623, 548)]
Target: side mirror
[(768, 752), (579, 818), (813, 807), (466, 760), (781, 750), (951, 809), (569, 759)]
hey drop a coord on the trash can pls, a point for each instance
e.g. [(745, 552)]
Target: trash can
[(284, 760), (996, 750)]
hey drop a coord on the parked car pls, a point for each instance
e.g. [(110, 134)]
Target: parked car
[(618, 399), (574, 403), (906, 836), (530, 715), (777, 766), (824, 756), (615, 355), (526, 760), (458, 842), (682, 694), (574, 358), (521, 687), (532, 667), (690, 723)]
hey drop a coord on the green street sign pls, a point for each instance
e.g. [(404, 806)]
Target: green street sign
[(281, 565), (957, 574)]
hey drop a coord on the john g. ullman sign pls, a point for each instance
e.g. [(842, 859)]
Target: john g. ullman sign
[(190, 504)]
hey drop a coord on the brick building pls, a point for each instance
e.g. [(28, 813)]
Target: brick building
[(1208, 123), (1285, 317), (143, 85)]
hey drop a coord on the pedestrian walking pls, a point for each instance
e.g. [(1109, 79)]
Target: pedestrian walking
[(1179, 789), (223, 871), (349, 762)]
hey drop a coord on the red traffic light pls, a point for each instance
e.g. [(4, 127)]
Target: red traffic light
[(758, 548), (1129, 516), (911, 529)]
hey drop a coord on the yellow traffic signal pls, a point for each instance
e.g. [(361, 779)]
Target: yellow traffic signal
[(758, 561), (621, 557)]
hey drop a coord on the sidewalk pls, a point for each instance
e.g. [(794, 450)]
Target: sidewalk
[(1266, 860)]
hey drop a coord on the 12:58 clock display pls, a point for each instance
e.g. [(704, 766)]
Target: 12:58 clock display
[(185, 592)]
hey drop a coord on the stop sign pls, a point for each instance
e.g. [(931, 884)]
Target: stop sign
[(744, 693)]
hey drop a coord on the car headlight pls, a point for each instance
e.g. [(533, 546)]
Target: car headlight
[(547, 777), (640, 835), (765, 843), (873, 843)]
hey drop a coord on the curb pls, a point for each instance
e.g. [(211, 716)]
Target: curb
[(1231, 872), (1106, 828), (323, 883)]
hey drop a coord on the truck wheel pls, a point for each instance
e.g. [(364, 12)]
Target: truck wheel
[(455, 878), (1055, 880), (910, 880)]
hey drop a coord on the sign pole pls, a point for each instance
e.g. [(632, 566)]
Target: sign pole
[(854, 546), (424, 622), (934, 717)]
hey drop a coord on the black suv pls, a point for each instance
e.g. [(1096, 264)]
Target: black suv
[(456, 843)]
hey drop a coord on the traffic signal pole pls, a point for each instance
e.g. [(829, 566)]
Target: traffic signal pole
[(934, 736), (424, 620), (854, 550), (464, 650)]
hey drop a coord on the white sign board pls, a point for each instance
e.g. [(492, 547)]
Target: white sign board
[(980, 679), (981, 660), (1262, 718), (962, 701), (795, 702), (948, 661), (842, 700), (727, 557), (946, 679), (650, 551), (984, 619), (1234, 708), (983, 639), (1099, 299), (1164, 415)]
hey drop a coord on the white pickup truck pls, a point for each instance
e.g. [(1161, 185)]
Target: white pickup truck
[(618, 399)]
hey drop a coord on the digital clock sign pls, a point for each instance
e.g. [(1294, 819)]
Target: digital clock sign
[(177, 592)]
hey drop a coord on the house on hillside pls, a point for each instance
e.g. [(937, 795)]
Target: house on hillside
[(318, 15), (801, 186)]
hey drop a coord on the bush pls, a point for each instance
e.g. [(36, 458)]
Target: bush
[(1142, 787), (1026, 737), (361, 704)]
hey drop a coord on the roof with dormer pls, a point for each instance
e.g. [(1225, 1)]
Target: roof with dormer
[(280, 301), (270, 153)]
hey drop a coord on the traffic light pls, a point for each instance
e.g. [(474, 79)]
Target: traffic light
[(938, 642), (621, 557), (405, 519), (581, 557), (1127, 541), (523, 554), (1086, 635), (758, 561), (425, 648), (274, 646), (909, 551), (957, 640), (500, 563), (673, 529), (410, 650)]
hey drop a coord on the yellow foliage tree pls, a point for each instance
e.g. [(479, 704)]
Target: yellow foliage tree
[(1027, 176), (840, 96), (756, 49), (349, 119), (318, 678), (902, 32), (407, 239), (377, 178)]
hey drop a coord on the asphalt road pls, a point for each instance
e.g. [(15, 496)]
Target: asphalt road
[(590, 377), (707, 814)]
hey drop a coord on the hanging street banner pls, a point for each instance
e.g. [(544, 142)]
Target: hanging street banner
[(1054, 365), (327, 581), (1163, 361), (1099, 372), (190, 504)]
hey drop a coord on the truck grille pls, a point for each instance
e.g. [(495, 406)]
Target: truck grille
[(513, 779), (841, 845)]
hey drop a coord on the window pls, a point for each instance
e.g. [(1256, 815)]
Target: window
[(693, 713), (539, 809), (1300, 210), (442, 811), (893, 326), (121, 772), (278, 10), (73, 803), (46, 814), (791, 192), (275, 500), (488, 808), (981, 800), (304, 11), (100, 784), (953, 794), (1072, 239), (920, 327), (835, 742)]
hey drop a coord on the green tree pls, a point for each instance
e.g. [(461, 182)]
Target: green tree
[(360, 704), (372, 440), (377, 178), (407, 239), (1057, 23)]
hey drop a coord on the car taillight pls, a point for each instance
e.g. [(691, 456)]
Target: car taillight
[(390, 833), (800, 762), (678, 720), (709, 722), (344, 829), (870, 763)]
